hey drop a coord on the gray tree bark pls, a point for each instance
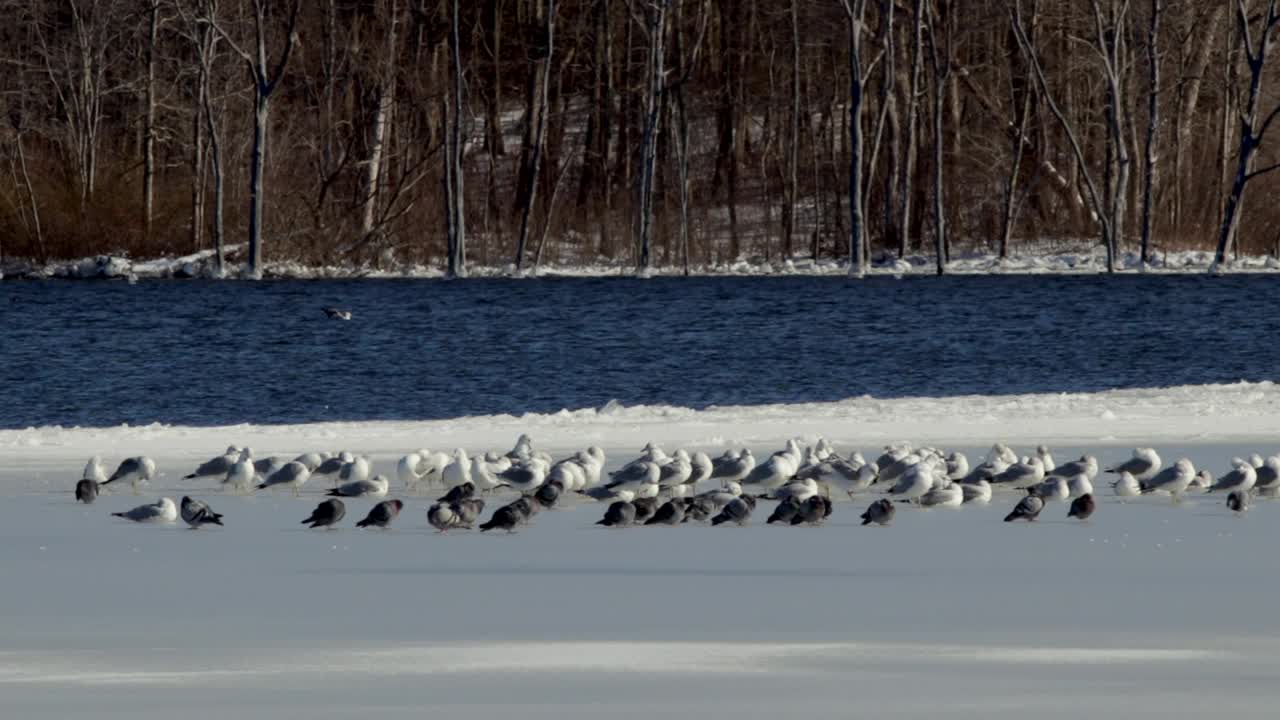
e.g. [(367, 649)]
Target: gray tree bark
[(855, 13), (539, 136), (1153, 127)]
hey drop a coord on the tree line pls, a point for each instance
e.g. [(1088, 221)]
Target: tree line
[(652, 132)]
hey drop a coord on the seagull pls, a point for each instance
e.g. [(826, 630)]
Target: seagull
[(312, 460), (161, 511), (196, 513), (139, 471), (354, 471), (1238, 501), (241, 474), (87, 491), (1144, 464), (701, 469), (774, 472), (1127, 485), (1046, 459), (1021, 475), (94, 471), (525, 477), (294, 474), (1027, 509), (375, 487), (330, 468), (217, 467), (957, 465), (523, 449), (1202, 481), (738, 511), (1173, 480), (1055, 488), (733, 467), (917, 481), (1268, 476), (671, 513), (1087, 465), (836, 472), (880, 512), (1079, 486), (1082, 507), (382, 514), (978, 492), (264, 467), (458, 471), (334, 313), (801, 490), (619, 514), (326, 514), (676, 471), (945, 496), (634, 476), (1242, 477)]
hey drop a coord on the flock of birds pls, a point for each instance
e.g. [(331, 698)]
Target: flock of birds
[(660, 489)]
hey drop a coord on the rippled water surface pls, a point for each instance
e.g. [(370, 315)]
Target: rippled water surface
[(212, 353)]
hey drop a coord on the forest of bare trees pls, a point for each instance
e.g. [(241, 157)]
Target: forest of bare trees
[(643, 132)]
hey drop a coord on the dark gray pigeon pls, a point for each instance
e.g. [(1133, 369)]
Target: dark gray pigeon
[(326, 513), (619, 514), (382, 514), (87, 491), (1027, 509), (879, 512)]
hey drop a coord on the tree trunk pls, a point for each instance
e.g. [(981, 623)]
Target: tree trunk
[(911, 121), (855, 12), (149, 138), (654, 95), (1153, 126), (793, 145), (257, 163), (458, 227), (539, 136)]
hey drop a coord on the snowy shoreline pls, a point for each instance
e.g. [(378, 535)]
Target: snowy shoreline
[(200, 266), (1195, 414)]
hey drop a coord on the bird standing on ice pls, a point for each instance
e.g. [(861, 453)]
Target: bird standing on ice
[(880, 512), (1242, 477), (217, 467), (1173, 480), (382, 514), (375, 487), (1238, 501), (196, 513), (138, 471), (1144, 464), (326, 514), (293, 474), (1082, 507), (1028, 509)]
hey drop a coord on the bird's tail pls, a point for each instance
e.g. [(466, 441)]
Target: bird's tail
[(334, 493), (487, 526), (364, 523), (866, 520), (117, 515), (719, 519), (304, 522), (1011, 517), (216, 519), (192, 476)]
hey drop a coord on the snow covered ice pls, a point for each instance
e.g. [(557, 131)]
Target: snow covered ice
[(1149, 606)]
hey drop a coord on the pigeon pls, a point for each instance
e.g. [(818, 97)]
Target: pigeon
[(505, 518), (334, 313), (442, 516), (161, 511), (785, 510), (671, 513), (699, 509), (87, 491), (619, 514), (196, 513), (293, 474), (382, 514), (525, 507), (813, 511), (326, 513), (880, 512), (548, 494), (458, 492), (1027, 509), (466, 512), (738, 511), (1238, 501), (645, 509), (1082, 507)]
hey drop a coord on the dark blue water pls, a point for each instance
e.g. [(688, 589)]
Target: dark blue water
[(212, 353)]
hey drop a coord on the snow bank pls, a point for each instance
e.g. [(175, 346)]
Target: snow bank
[(1084, 262), (1208, 413)]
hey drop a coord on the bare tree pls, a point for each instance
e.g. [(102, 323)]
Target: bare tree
[(793, 136), (940, 61), (855, 14), (266, 77), (539, 132), (1251, 131), (454, 151), (1153, 127), (911, 121)]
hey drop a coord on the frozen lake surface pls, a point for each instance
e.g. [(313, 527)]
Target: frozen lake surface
[(1149, 609), (219, 353)]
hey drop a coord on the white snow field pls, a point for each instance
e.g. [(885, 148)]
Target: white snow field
[(1150, 609)]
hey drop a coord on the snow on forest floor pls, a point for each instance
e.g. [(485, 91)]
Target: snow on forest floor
[(1077, 262), (1149, 609)]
